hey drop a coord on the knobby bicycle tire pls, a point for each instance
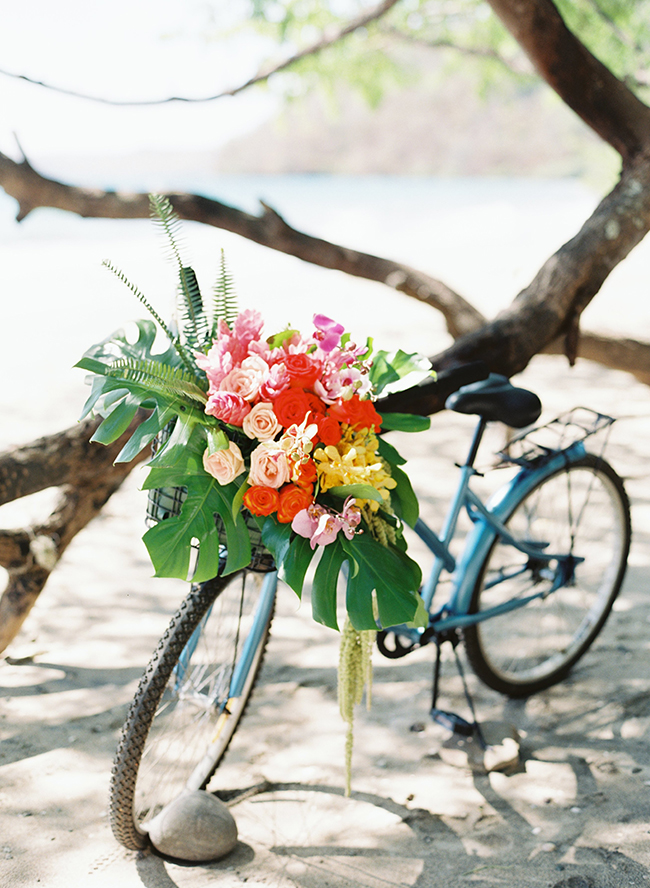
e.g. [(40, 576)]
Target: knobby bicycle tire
[(582, 509), (175, 714)]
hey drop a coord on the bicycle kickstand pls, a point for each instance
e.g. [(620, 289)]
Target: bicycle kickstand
[(451, 720)]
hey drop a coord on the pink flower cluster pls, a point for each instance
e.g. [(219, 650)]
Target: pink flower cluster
[(243, 369)]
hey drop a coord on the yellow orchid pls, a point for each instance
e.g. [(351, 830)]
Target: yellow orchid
[(354, 460)]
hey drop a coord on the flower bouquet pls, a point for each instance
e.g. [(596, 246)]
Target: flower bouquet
[(275, 432)]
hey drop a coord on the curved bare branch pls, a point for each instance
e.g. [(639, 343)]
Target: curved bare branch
[(327, 39)]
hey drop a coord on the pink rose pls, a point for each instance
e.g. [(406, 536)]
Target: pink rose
[(228, 407), (269, 466), (224, 465), (261, 422), (246, 379)]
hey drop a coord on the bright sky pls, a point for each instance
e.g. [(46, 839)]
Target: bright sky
[(121, 49)]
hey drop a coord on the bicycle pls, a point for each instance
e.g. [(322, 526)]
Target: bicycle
[(537, 578)]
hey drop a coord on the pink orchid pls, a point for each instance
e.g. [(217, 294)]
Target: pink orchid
[(329, 332), (321, 526)]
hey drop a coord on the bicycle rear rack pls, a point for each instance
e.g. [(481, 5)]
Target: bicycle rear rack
[(540, 442)]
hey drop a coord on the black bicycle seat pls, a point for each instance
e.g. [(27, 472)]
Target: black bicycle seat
[(496, 399)]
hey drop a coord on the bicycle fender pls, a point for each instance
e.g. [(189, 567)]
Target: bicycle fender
[(501, 504)]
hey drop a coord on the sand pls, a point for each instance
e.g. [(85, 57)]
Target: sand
[(573, 814)]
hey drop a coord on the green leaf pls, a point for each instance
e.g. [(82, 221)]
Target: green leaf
[(145, 433), (118, 420), (195, 322), (277, 538), (398, 370), (278, 339), (170, 542), (295, 563), (238, 541), (360, 491), (358, 598), (174, 449), (389, 453), (324, 587), (403, 498), (392, 574), (224, 304), (404, 422), (238, 498)]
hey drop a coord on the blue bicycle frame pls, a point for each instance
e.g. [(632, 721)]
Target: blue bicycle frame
[(489, 523)]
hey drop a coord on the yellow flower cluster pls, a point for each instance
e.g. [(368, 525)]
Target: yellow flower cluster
[(354, 460)]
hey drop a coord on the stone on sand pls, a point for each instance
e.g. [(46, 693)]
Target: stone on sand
[(196, 827)]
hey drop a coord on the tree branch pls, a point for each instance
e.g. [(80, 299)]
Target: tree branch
[(32, 190), (567, 282), (329, 37)]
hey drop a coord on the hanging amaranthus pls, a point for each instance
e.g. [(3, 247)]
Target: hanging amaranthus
[(355, 674)]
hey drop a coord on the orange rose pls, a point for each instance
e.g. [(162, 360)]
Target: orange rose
[(261, 500), (292, 500)]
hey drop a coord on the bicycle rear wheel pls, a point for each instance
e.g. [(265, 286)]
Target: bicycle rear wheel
[(183, 715), (583, 510)]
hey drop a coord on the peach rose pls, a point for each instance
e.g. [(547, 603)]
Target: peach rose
[(269, 467), (224, 465), (246, 379), (261, 422)]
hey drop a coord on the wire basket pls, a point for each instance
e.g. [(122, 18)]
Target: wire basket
[(541, 442), (166, 502)]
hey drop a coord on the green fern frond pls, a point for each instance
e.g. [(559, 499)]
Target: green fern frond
[(172, 381), (224, 298), (195, 323), (164, 216), (152, 311), (195, 329)]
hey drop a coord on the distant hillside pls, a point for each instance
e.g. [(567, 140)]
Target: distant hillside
[(445, 131)]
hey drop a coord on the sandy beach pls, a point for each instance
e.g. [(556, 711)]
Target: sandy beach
[(575, 813)]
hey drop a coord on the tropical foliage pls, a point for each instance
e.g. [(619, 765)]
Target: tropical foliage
[(281, 428)]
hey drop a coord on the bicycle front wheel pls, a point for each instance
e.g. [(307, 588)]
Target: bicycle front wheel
[(184, 713), (581, 510)]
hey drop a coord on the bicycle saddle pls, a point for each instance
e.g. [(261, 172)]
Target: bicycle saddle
[(496, 399)]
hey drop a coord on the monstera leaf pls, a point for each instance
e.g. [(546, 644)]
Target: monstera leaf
[(129, 375)]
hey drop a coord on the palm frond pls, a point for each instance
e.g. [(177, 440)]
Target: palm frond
[(161, 378), (224, 304), (175, 341)]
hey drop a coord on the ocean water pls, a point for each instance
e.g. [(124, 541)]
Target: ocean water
[(486, 238)]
